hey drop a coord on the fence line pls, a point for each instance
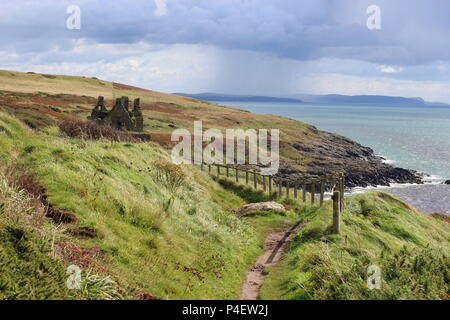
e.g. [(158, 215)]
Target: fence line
[(336, 181)]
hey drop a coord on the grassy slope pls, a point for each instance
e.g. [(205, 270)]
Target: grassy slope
[(376, 228), (31, 95), (191, 246), (173, 245)]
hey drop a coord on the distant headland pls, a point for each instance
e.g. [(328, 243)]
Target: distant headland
[(218, 97), (333, 99)]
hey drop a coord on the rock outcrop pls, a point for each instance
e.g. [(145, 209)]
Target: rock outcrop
[(329, 153), (261, 206)]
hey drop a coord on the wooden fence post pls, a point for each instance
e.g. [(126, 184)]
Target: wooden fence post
[(201, 167), (296, 191), (237, 175), (313, 193), (264, 184), (270, 184), (336, 212), (322, 191), (255, 180), (279, 189), (218, 170), (228, 172), (304, 192), (246, 177), (342, 191), (288, 186), (209, 168)]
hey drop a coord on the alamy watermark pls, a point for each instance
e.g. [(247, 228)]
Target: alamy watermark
[(374, 277), (235, 146), (374, 19), (161, 8), (73, 22), (73, 282)]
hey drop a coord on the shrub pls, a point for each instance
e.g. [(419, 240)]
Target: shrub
[(169, 175), (75, 128)]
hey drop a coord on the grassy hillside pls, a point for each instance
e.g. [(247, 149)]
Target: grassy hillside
[(114, 215), (377, 229), (40, 99), (141, 228)]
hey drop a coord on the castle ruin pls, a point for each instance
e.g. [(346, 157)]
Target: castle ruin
[(119, 117)]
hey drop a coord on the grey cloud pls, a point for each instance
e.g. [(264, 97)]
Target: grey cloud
[(414, 32)]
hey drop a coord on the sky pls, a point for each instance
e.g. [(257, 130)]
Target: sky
[(263, 47)]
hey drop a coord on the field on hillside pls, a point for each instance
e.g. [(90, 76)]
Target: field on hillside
[(41, 99)]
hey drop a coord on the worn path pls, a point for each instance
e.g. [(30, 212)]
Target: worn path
[(274, 246)]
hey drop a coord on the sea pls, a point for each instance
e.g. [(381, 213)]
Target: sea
[(412, 137)]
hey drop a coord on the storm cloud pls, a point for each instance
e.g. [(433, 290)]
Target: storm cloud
[(413, 32), (286, 35)]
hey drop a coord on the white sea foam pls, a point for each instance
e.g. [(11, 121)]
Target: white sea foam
[(359, 190), (385, 160), (433, 179)]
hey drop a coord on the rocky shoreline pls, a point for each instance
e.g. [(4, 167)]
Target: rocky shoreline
[(383, 175), (332, 153), (378, 175)]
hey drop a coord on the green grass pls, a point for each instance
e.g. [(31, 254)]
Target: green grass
[(185, 242), (377, 229), (27, 269), (174, 245)]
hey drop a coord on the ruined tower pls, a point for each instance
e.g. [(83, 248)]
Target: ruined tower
[(137, 115), (120, 117)]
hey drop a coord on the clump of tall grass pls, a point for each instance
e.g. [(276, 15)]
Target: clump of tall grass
[(170, 175), (75, 128), (19, 202), (98, 287), (405, 274)]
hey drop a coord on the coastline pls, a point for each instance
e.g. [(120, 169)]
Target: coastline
[(391, 145), (427, 178), (429, 197)]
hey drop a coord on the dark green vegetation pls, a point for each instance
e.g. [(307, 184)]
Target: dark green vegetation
[(377, 229), (27, 269)]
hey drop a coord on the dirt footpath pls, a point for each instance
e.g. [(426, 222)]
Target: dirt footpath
[(274, 246)]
